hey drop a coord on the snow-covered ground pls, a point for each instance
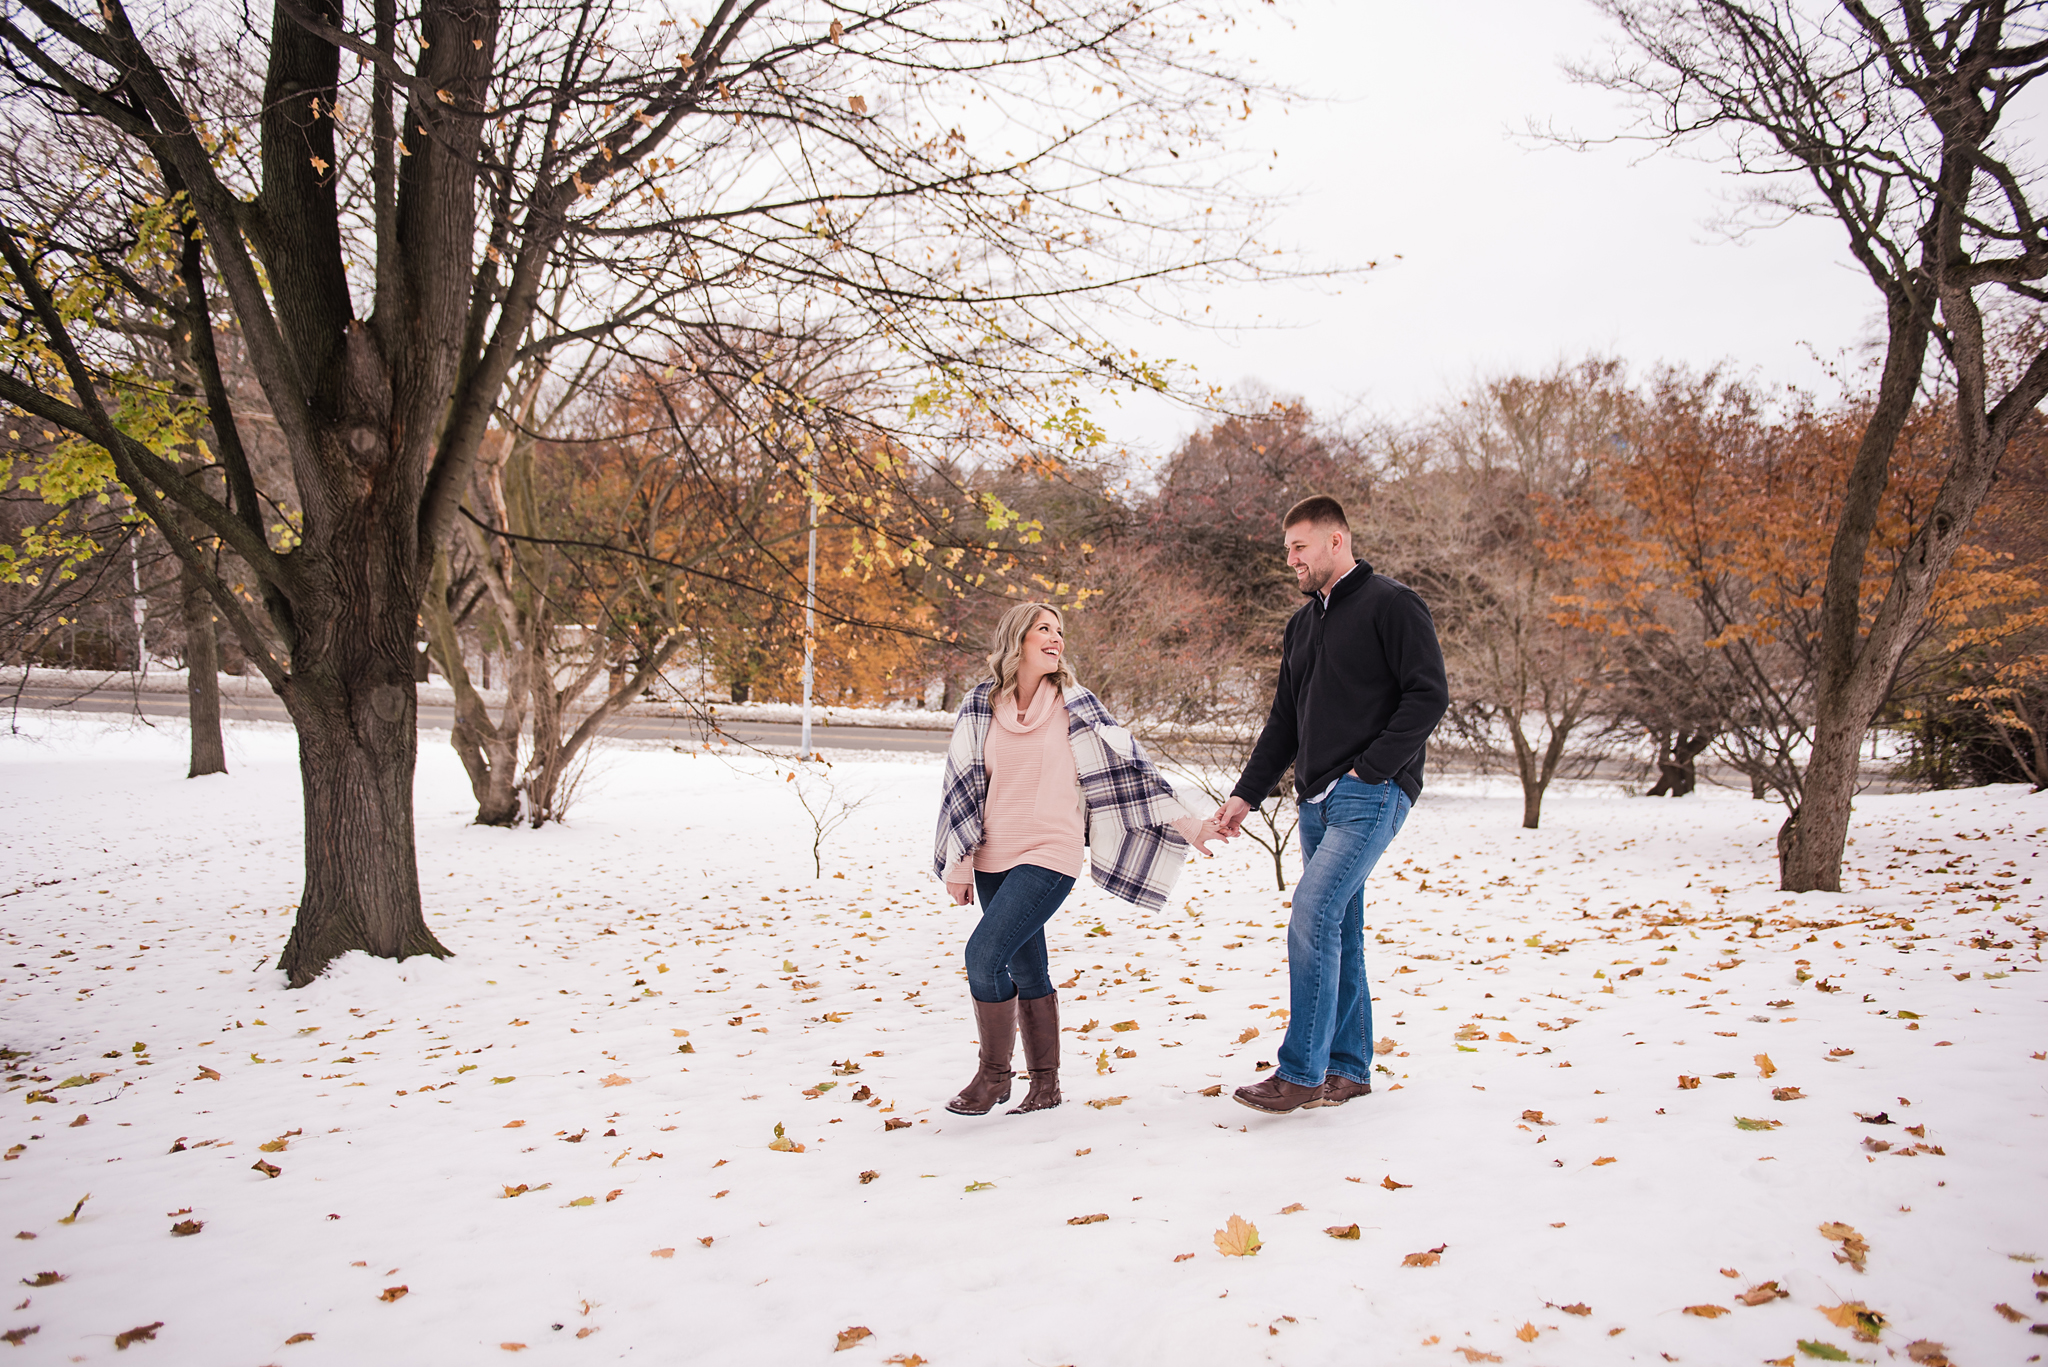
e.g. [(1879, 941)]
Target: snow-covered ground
[(509, 1151)]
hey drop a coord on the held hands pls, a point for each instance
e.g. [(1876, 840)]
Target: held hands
[(1212, 829), (1229, 818)]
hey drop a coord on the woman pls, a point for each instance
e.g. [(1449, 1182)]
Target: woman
[(1036, 767)]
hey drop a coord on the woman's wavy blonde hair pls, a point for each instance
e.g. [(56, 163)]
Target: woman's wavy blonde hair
[(1006, 647)]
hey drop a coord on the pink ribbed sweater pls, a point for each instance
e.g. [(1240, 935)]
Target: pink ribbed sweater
[(1033, 811)]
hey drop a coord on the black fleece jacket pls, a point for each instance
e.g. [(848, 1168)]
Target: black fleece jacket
[(1361, 688)]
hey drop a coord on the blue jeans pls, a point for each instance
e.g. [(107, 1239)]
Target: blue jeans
[(1329, 1023), (1006, 953)]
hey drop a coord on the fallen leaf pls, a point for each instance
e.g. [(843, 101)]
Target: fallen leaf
[(186, 1227), (1251, 1032), (2012, 1316), (705, 1240), (662, 1253), (298, 1338), (1342, 1231), (141, 1333), (857, 103), (851, 1335), (1536, 1118), (1731, 1274), (1427, 1259), (868, 1176), (1764, 1065), (1743, 1122), (1787, 1094), (782, 1143), (1576, 1308), (1854, 1249), (1182, 1257), (1763, 1293), (1238, 1238), (1687, 1084), (895, 1122), (1603, 1162), (72, 1218), (1707, 1312), (43, 1279), (1475, 1355), (903, 1359), (207, 1074), (17, 1337), (1391, 1185), (1826, 1352), (1928, 1353), (1290, 1209), (584, 1201), (1527, 1333), (614, 1080), (513, 1347), (1086, 1219), (1108, 1101), (979, 1186), (267, 1169), (393, 1293), (1214, 1090), (1124, 1025)]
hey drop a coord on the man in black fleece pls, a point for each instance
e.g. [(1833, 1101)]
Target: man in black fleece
[(1361, 688)]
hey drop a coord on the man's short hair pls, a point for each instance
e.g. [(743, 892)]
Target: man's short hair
[(1319, 510)]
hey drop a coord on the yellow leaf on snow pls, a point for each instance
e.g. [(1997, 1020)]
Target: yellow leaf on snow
[(1426, 1258), (1124, 1025), (1475, 1355), (1527, 1333), (614, 1080), (1290, 1209), (1861, 1320), (1342, 1231), (393, 1293), (1707, 1312), (851, 1335), (1764, 1065), (1391, 1185), (1251, 1032), (662, 1253), (1239, 1238), (1763, 1293)]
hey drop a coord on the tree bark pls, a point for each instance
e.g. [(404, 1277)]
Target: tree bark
[(202, 676), (489, 750), (353, 701)]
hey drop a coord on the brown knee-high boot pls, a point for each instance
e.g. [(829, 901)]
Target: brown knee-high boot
[(997, 1024), (1038, 1021)]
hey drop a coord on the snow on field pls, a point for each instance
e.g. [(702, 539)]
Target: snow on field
[(557, 1142)]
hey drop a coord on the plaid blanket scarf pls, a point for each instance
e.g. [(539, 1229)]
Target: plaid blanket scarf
[(1134, 853)]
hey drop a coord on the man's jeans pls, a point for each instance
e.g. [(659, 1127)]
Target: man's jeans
[(1329, 1023), (1006, 953)]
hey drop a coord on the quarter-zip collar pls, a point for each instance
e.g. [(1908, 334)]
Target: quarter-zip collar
[(1347, 583)]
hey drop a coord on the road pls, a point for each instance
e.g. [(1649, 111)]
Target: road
[(637, 725)]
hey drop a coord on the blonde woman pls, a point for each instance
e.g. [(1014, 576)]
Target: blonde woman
[(1037, 767)]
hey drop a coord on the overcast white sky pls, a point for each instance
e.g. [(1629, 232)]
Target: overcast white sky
[(1511, 257)]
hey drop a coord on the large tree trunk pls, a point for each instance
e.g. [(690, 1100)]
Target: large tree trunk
[(353, 701), (202, 675)]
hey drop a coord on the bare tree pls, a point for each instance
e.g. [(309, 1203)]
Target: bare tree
[(381, 209), (1893, 120)]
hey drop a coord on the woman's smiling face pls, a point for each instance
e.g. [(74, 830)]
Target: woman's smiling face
[(1044, 643)]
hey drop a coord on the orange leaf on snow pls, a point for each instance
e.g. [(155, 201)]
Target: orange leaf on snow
[(1475, 1355), (298, 1338), (851, 1335), (393, 1293), (1391, 1185), (1290, 1209), (1251, 1032), (1342, 1231), (614, 1080), (1763, 1293), (513, 1347), (1707, 1312), (662, 1253), (1603, 1162), (1086, 1219), (1764, 1065), (141, 1333), (1527, 1333), (1577, 1308), (1427, 1258), (1239, 1238)]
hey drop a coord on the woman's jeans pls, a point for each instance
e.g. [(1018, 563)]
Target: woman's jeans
[(1006, 952), (1329, 1022)]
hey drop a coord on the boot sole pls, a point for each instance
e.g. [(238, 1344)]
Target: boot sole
[(955, 1110), (1268, 1110)]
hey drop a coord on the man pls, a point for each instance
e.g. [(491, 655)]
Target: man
[(1361, 687)]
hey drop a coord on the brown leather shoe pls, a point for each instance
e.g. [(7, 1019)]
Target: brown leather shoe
[(997, 1024), (1276, 1096), (1038, 1026), (1336, 1090)]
